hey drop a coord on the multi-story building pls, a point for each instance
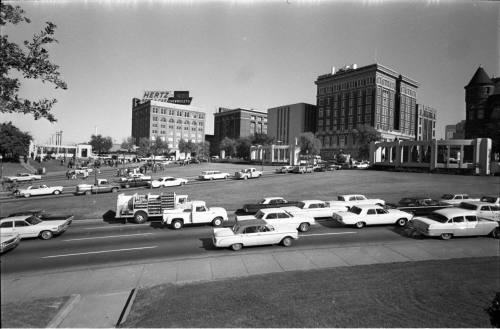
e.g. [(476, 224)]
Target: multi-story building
[(169, 121), (236, 123), (456, 131), (425, 123), (372, 95), (287, 122)]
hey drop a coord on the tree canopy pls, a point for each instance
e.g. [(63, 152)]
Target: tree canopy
[(309, 144), (365, 134), (159, 147), (128, 144), (32, 63), (100, 144), (228, 145), (13, 142)]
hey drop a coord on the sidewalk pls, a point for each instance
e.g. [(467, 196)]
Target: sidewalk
[(103, 292)]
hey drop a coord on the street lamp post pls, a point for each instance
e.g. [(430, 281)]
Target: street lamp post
[(1, 169)]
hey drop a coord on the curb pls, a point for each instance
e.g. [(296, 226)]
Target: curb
[(61, 315), (127, 307)]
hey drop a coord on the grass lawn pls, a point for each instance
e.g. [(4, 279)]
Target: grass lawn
[(33, 314), (446, 293)]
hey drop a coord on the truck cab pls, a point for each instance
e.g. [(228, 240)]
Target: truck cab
[(197, 213)]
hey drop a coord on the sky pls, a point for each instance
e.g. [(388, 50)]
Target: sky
[(247, 54)]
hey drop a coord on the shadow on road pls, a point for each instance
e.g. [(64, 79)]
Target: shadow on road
[(207, 244), (109, 217)]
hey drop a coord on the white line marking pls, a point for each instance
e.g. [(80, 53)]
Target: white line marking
[(329, 233), (98, 252), (109, 236), (99, 227)]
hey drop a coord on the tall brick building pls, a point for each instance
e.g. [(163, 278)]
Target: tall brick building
[(236, 123)]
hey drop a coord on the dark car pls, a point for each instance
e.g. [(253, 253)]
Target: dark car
[(253, 208), (135, 182), (418, 206), (42, 215)]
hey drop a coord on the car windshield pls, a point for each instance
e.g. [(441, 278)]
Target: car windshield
[(447, 197), (301, 205), (355, 210), (259, 215), (33, 220), (236, 228), (438, 218), (262, 201), (467, 206)]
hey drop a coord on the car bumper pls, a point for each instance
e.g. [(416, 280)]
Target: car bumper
[(11, 244)]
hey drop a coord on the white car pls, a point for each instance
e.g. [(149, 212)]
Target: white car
[(32, 227), (482, 209), (253, 233), (137, 176), (168, 181), (38, 190), (278, 216), (455, 199), (315, 208), (23, 177), (213, 174), (350, 200), (363, 215)]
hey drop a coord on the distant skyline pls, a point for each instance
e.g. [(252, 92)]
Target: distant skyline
[(251, 54)]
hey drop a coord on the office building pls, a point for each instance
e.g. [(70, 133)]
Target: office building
[(372, 95), (236, 123), (287, 122), (456, 131), (425, 123)]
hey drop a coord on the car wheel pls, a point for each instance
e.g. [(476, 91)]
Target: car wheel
[(114, 190), (46, 235), (236, 246), (446, 236), (177, 224), (286, 242), (496, 233), (88, 192), (360, 224), (245, 178), (304, 227), (56, 192), (140, 217), (217, 221), (401, 222), (27, 195)]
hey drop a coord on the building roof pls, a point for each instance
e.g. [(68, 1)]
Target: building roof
[(480, 78), (224, 111)]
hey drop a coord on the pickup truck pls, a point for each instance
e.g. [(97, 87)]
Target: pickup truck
[(495, 200), (270, 202), (248, 173), (315, 208), (456, 199), (349, 200), (102, 186), (198, 213)]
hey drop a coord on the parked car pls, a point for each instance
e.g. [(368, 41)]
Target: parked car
[(9, 241), (315, 208), (491, 199), (213, 174), (456, 199), (136, 176), (450, 222), (350, 200), (302, 169), (38, 190), (363, 215), (248, 173), (42, 215), (418, 206), (268, 202), (168, 181), (253, 233), (482, 209), (32, 227), (197, 213), (23, 177), (279, 216), (333, 166), (285, 169), (135, 182), (361, 165), (102, 186)]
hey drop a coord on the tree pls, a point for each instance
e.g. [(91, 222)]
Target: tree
[(31, 63), (365, 134), (228, 145), (128, 144), (13, 142), (203, 149), (159, 147), (309, 144), (243, 147), (262, 139), (100, 144), (187, 146), (144, 148)]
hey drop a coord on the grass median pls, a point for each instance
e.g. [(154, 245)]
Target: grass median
[(445, 293)]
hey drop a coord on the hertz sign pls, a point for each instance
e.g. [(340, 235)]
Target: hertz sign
[(177, 97)]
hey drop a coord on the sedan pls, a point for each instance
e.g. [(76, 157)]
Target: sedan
[(168, 181), (135, 182), (253, 233), (32, 227), (9, 241), (42, 215), (362, 215), (23, 177), (39, 190)]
